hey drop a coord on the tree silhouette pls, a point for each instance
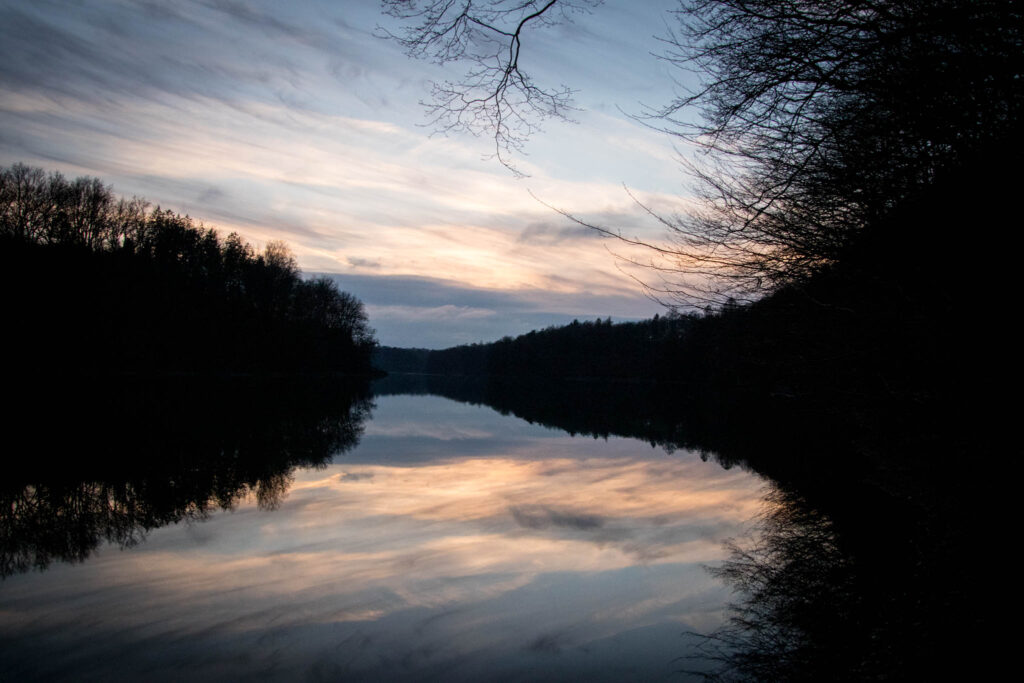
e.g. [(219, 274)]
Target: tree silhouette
[(496, 96), (817, 119), (149, 289)]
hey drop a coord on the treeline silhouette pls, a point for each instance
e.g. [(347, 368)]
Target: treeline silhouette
[(588, 349), (92, 461), (93, 282)]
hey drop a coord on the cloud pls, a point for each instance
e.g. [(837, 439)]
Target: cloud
[(448, 312), (362, 263), (548, 233), (543, 517), (290, 121), (548, 643), (211, 195), (438, 313), (391, 293)]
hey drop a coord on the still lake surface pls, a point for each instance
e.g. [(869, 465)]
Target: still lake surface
[(448, 542)]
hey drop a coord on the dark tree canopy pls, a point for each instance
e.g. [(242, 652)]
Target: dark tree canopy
[(141, 288), (819, 118)]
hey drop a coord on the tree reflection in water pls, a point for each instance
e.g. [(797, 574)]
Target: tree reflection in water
[(112, 460), (857, 570), (818, 599), (787, 569)]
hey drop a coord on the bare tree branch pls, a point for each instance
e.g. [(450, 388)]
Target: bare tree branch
[(496, 96), (816, 118)]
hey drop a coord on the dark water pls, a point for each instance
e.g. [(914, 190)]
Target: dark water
[(295, 529), (286, 534)]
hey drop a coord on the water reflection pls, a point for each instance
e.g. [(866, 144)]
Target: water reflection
[(453, 543), (447, 540), (111, 461), (812, 606), (797, 618), (857, 567), (862, 567), (641, 410)]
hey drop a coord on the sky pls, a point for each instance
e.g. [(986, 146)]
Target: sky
[(294, 121)]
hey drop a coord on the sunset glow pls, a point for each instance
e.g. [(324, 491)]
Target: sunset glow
[(293, 123)]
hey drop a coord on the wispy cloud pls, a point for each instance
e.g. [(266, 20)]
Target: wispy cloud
[(293, 122)]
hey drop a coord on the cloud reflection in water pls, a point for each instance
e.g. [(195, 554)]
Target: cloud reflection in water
[(511, 552)]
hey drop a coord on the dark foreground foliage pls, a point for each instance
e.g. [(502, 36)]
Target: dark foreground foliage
[(91, 282)]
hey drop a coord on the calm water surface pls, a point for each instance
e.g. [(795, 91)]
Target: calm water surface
[(453, 543)]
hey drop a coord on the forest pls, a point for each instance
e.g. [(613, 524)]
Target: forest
[(92, 282), (588, 349)]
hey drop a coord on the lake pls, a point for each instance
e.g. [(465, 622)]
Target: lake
[(422, 538)]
